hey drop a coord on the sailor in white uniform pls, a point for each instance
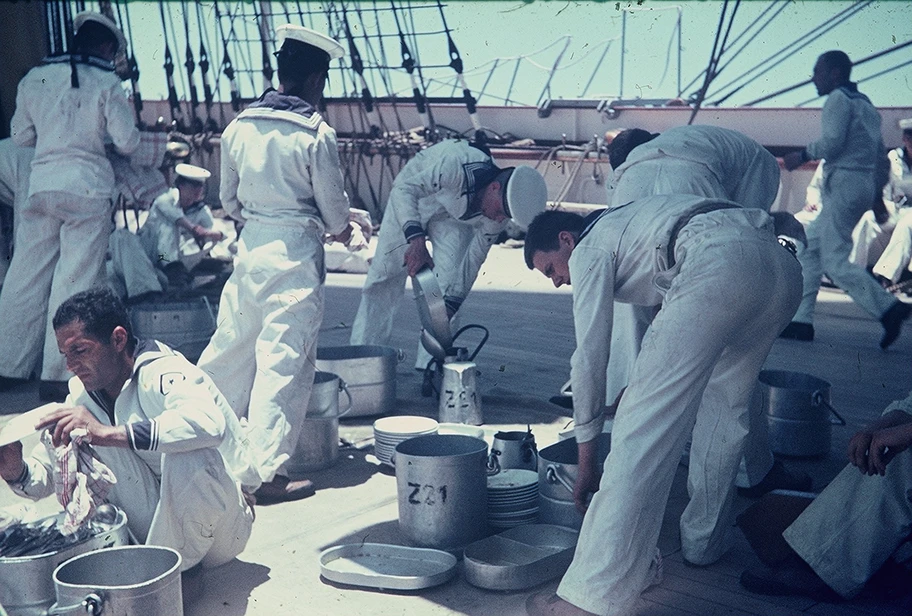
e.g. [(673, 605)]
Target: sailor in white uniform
[(897, 255), (280, 174), (68, 108), (453, 195), (174, 445), (15, 164), (726, 289)]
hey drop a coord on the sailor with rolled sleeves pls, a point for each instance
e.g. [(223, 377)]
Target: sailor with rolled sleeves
[(68, 108), (280, 175), (726, 288), (453, 195)]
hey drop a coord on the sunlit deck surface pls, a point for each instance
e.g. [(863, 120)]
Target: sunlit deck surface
[(525, 361)]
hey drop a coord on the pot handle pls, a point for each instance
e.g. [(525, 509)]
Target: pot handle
[(553, 476), (493, 465), (344, 387), (817, 400), (92, 604)]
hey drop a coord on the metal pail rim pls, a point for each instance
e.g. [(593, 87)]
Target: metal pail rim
[(796, 381), (76, 561)]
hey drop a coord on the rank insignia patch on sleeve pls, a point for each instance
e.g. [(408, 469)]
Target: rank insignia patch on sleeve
[(169, 379)]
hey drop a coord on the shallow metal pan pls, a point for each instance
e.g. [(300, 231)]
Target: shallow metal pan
[(392, 567), (519, 558), (431, 307)]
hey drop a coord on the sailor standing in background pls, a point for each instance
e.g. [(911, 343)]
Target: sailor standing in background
[(897, 255), (851, 144), (15, 162), (68, 108), (281, 176), (454, 195)]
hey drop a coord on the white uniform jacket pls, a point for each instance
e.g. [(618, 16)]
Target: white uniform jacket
[(167, 406), (899, 189), (69, 126), (440, 182), (850, 128), (623, 255), (281, 186)]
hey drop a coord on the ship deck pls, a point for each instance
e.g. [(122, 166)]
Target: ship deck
[(524, 363)]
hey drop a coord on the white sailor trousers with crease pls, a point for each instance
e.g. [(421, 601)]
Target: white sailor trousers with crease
[(262, 355), (696, 373)]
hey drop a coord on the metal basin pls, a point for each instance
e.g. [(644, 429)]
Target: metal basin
[(521, 557), (368, 371), (557, 467)]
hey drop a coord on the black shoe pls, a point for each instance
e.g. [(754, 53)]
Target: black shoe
[(778, 478), (789, 580), (53, 391), (8, 382), (282, 490), (798, 331), (892, 321)]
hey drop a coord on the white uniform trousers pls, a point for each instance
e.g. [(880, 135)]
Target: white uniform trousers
[(197, 507), (130, 272), (60, 250), (387, 274), (696, 373), (897, 256), (262, 355), (870, 238), (855, 524), (847, 195)]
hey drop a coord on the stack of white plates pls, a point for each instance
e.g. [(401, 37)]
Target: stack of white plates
[(390, 431), (512, 498)]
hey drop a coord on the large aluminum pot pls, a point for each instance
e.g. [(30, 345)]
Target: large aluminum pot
[(184, 326), (798, 413), (318, 443), (558, 465), (368, 371), (121, 581), (442, 485), (27, 584)]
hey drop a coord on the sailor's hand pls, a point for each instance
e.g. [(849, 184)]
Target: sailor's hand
[(793, 160), (417, 255), (11, 461), (587, 475), (64, 421), (885, 444), (344, 237), (858, 449)]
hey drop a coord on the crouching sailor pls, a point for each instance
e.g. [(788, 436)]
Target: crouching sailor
[(159, 423)]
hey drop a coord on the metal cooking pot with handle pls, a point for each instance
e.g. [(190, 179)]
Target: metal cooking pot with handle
[(798, 413)]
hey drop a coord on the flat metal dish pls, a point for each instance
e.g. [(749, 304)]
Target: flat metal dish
[(520, 557), (431, 307), (23, 425), (392, 567)]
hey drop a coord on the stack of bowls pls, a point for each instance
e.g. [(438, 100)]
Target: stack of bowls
[(512, 498), (390, 431)]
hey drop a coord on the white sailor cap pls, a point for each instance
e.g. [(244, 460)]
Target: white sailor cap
[(192, 172), (525, 195), (905, 124), (85, 16), (310, 37)]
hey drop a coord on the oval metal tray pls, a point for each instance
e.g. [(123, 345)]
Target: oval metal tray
[(520, 557), (392, 567)]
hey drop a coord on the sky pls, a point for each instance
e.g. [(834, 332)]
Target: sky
[(526, 39)]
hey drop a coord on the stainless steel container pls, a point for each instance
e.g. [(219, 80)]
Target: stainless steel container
[(459, 400), (368, 371), (27, 584), (557, 469), (798, 413), (519, 558), (442, 487), (184, 326), (121, 581), (514, 449), (318, 443)]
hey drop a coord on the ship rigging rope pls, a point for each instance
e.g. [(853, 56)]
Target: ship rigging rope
[(868, 78), (712, 68), (226, 66), (204, 65), (190, 65)]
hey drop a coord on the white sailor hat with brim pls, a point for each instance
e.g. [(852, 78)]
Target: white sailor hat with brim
[(525, 195), (83, 17), (192, 172), (905, 124), (291, 32)]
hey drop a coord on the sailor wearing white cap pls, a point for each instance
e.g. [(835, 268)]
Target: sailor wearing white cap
[(179, 222), (68, 108), (453, 195), (897, 256), (280, 174)]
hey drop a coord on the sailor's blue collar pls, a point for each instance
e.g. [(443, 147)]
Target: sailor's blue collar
[(478, 174), (273, 99), (80, 58)]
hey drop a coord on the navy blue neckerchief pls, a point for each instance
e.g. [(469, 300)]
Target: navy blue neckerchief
[(273, 99), (478, 175), (82, 58)]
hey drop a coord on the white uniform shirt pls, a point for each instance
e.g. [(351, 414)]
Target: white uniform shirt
[(69, 128), (850, 132), (291, 170), (726, 153), (900, 184), (168, 405), (622, 256), (441, 182)]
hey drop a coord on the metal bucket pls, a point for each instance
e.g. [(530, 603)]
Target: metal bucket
[(121, 581), (442, 487), (27, 584), (798, 413), (368, 371), (557, 470), (318, 444), (184, 326)]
